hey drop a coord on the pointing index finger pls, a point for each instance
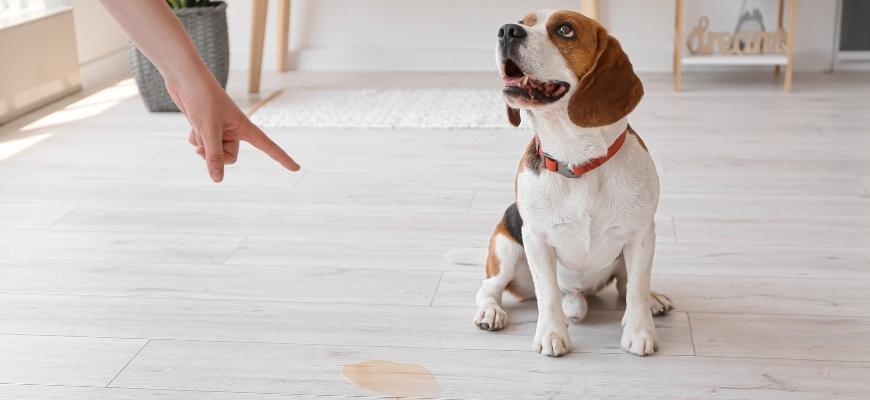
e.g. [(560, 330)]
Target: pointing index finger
[(258, 139)]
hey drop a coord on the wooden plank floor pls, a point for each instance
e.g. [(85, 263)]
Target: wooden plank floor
[(125, 274)]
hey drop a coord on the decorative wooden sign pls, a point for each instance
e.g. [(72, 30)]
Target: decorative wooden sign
[(700, 41)]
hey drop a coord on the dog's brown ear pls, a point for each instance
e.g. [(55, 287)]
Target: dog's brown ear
[(513, 116), (609, 91)]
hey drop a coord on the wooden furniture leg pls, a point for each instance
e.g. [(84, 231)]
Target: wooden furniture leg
[(589, 8), (678, 46), (779, 28), (258, 33), (283, 35), (792, 21)]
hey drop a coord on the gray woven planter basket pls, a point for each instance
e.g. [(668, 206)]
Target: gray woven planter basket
[(207, 27)]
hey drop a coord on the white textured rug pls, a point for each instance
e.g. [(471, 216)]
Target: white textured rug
[(385, 109)]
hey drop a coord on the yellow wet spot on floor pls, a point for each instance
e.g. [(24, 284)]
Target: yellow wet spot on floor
[(392, 378)]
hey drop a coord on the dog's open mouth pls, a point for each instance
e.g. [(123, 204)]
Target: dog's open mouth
[(519, 85)]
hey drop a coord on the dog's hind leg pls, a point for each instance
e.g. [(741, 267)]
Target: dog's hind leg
[(659, 303), (505, 257), (506, 269)]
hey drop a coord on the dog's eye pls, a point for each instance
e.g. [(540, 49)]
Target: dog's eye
[(565, 31)]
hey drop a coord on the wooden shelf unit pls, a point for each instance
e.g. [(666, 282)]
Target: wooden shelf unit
[(776, 60)]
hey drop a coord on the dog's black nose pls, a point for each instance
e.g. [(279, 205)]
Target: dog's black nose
[(510, 33)]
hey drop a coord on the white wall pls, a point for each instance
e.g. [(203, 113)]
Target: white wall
[(97, 34), (460, 34), (101, 43)]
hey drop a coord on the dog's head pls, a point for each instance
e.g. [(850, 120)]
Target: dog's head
[(564, 59)]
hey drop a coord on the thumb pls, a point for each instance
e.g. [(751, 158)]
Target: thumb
[(212, 141)]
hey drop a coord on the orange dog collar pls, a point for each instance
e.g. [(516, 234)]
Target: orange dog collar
[(560, 167)]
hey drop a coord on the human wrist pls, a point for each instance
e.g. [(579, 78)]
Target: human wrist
[(189, 75)]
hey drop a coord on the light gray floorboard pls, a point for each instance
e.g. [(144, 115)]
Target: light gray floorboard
[(115, 249), (59, 360), (195, 281), (486, 374), (33, 392), (781, 336), (308, 323)]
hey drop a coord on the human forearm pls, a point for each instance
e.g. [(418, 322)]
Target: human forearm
[(161, 37)]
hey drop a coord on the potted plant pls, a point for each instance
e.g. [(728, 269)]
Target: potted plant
[(206, 23)]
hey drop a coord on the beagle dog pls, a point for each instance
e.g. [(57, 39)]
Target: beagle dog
[(586, 187)]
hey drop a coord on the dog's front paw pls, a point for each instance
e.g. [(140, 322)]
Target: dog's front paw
[(640, 339), (552, 342), (490, 318)]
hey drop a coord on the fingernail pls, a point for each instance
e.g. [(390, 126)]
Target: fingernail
[(217, 175)]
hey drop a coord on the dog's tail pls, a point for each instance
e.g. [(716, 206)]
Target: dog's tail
[(471, 257)]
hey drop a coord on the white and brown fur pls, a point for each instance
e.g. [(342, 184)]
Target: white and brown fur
[(566, 238)]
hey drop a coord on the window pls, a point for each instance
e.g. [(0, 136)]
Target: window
[(14, 12)]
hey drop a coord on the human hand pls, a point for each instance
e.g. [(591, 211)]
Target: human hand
[(218, 126), (217, 123)]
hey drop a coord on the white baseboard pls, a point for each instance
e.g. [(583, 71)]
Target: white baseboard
[(106, 69)]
